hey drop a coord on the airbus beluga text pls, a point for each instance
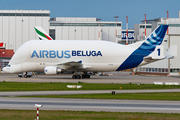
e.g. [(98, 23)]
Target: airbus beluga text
[(58, 56)]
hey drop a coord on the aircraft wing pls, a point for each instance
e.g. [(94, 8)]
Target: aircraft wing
[(73, 65)]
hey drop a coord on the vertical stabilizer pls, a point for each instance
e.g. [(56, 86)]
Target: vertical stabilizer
[(42, 33), (145, 48), (154, 39)]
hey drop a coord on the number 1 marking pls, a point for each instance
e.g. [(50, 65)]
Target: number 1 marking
[(158, 51)]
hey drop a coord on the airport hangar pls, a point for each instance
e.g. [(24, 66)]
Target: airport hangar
[(17, 27)]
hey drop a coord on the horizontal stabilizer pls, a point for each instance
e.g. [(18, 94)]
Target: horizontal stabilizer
[(169, 56), (151, 59), (158, 54)]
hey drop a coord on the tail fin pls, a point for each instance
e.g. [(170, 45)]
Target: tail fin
[(154, 39), (144, 48), (42, 33)]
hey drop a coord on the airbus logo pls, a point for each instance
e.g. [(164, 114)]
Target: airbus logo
[(64, 54)]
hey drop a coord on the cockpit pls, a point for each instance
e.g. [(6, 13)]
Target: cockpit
[(8, 66)]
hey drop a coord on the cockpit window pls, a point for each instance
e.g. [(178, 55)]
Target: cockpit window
[(8, 66)]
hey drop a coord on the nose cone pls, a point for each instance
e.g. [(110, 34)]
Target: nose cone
[(12, 69), (6, 69)]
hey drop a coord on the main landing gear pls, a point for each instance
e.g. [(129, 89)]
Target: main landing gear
[(79, 76)]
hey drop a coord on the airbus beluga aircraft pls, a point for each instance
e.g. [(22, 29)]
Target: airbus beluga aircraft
[(58, 56)]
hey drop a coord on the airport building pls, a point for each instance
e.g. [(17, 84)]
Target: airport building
[(130, 37), (17, 26), (78, 28), (139, 31)]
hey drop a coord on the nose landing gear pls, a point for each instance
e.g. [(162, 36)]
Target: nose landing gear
[(25, 74)]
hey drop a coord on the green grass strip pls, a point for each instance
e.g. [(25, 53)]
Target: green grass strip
[(25, 86), (83, 115), (121, 96)]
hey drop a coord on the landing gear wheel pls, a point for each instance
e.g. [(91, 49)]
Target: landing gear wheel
[(87, 76), (78, 77), (25, 76), (83, 76), (74, 77)]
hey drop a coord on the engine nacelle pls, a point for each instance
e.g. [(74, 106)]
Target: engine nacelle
[(52, 70)]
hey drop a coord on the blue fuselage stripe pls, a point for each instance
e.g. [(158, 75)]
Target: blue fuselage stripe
[(134, 59)]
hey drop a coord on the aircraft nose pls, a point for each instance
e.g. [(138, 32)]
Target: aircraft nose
[(4, 69)]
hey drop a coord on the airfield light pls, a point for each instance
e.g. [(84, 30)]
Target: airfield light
[(38, 106), (116, 26)]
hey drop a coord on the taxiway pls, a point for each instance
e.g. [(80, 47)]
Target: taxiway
[(118, 77)]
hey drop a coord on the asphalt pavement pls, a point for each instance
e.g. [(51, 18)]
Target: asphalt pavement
[(118, 77), (91, 104)]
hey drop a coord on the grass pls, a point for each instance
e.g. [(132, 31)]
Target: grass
[(129, 96), (21, 86), (83, 115)]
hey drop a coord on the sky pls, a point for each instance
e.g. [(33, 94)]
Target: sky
[(103, 9)]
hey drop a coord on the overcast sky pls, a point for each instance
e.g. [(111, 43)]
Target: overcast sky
[(103, 9)]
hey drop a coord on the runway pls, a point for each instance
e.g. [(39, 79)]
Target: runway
[(75, 92), (91, 105), (118, 77)]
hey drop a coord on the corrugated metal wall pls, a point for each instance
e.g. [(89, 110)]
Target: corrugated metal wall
[(16, 30)]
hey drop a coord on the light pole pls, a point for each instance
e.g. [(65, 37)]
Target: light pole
[(167, 21), (99, 28), (168, 43), (142, 31), (116, 26), (126, 30), (145, 25)]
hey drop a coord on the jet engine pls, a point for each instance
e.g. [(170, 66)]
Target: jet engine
[(52, 70)]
